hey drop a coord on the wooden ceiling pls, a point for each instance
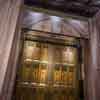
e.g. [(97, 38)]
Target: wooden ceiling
[(86, 8)]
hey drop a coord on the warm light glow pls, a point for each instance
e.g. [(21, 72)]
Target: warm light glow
[(44, 62), (33, 83), (42, 84), (29, 51), (36, 60), (69, 55), (28, 60)]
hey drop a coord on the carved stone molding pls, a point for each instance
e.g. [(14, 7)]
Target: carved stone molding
[(50, 23)]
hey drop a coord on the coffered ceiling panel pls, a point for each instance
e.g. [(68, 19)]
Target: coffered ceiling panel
[(86, 8)]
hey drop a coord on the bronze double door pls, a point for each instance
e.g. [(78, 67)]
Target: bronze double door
[(48, 72)]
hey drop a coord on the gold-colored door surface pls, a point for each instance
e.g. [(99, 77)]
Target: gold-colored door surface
[(47, 72)]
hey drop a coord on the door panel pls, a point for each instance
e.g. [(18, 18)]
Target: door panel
[(47, 72)]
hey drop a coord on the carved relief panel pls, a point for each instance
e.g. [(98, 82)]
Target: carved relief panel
[(54, 24)]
